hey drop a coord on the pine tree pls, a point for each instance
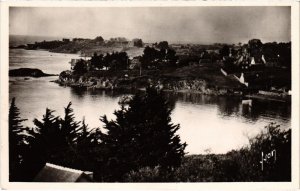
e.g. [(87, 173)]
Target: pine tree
[(71, 130), (83, 135), (142, 136), (69, 126), (50, 139), (88, 147), (15, 142), (56, 139)]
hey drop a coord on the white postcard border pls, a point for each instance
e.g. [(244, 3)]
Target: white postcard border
[(151, 186)]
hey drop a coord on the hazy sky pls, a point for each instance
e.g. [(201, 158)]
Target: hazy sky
[(185, 24)]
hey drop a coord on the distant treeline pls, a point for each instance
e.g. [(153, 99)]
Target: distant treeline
[(78, 42), (48, 45), (161, 57)]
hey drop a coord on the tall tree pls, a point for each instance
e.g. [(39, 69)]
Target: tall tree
[(224, 51), (80, 67), (97, 61), (56, 140), (15, 141), (83, 134), (142, 135), (171, 57), (255, 47), (151, 56), (99, 39), (163, 45), (138, 42), (69, 126), (50, 139)]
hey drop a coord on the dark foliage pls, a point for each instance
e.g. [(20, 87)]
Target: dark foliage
[(255, 47), (99, 39), (69, 126), (224, 51), (142, 136), (27, 72), (16, 142), (97, 61), (150, 57), (20, 147), (47, 44), (229, 65), (138, 42), (188, 59), (163, 45), (153, 58), (278, 52), (80, 67), (64, 131), (114, 61), (171, 57)]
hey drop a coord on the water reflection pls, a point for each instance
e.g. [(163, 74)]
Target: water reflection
[(96, 92), (267, 109), (218, 123), (231, 106)]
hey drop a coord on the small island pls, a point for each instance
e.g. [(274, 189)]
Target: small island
[(28, 72)]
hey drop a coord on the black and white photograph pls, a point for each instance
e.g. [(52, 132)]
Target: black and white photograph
[(150, 94)]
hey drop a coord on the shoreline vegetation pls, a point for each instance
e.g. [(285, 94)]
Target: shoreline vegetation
[(139, 146), (214, 85), (254, 70), (175, 80)]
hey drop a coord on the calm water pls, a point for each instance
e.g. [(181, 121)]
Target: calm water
[(219, 124)]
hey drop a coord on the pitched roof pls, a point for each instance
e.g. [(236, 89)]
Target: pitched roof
[(55, 173)]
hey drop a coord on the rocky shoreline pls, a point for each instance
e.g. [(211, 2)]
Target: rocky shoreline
[(198, 86), (163, 83)]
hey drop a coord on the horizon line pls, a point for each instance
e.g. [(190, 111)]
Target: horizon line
[(170, 42)]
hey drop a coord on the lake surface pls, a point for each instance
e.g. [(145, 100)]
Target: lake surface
[(215, 123)]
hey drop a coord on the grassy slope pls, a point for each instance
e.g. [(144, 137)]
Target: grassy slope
[(208, 72)]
